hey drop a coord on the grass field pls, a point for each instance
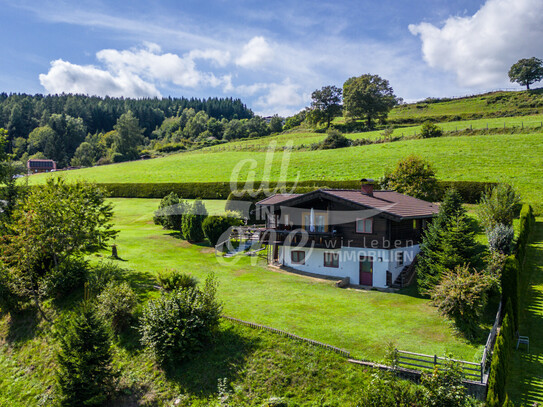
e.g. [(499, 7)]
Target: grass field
[(491, 104), (255, 365), (525, 380), (360, 321), (305, 138), (516, 159)]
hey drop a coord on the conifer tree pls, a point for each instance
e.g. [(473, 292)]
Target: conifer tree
[(85, 376), (447, 242)]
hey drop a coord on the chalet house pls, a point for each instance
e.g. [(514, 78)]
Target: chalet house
[(37, 166), (366, 235)]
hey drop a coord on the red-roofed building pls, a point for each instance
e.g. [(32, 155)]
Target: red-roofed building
[(37, 166), (366, 235)]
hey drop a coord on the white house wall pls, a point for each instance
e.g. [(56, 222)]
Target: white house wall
[(383, 260)]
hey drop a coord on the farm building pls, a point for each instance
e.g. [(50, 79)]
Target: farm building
[(370, 236), (37, 166)]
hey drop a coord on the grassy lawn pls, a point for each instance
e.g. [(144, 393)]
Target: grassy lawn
[(515, 159), (362, 322), (526, 376)]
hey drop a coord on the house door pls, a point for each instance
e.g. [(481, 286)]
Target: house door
[(366, 270)]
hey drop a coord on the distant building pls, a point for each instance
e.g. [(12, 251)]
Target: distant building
[(37, 166)]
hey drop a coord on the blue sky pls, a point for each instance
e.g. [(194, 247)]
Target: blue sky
[(271, 54)]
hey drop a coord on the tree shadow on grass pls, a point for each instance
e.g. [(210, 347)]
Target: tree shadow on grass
[(222, 360), (23, 325)]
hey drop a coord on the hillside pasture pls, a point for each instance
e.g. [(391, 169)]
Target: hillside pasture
[(512, 158)]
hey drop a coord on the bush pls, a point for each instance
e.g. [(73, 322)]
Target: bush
[(115, 304), (498, 206), (214, 227), (100, 275), (71, 275), (333, 140), (170, 212), (180, 323), (500, 238), (444, 386), (171, 280), (84, 375), (462, 296), (191, 228), (429, 130)]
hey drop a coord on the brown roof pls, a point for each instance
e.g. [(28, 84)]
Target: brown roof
[(275, 199), (391, 202), (40, 163)]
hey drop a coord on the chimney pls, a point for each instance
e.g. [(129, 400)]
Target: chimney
[(366, 186)]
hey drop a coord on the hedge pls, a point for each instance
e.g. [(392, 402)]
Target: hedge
[(469, 190), (501, 357), (496, 396)]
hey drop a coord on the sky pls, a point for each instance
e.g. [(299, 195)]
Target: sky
[(271, 54)]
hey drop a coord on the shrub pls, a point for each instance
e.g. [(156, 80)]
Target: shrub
[(498, 206), (115, 304), (101, 274), (333, 140), (413, 176), (170, 212), (214, 227), (429, 130), (171, 280), (444, 386), (500, 238), (84, 375), (462, 296), (179, 324), (191, 228), (70, 275)]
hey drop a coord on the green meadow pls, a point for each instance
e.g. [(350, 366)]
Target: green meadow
[(512, 158)]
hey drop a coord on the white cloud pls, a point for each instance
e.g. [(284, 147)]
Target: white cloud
[(256, 53), (70, 78), (135, 73), (282, 98), (220, 58), (166, 67), (479, 49)]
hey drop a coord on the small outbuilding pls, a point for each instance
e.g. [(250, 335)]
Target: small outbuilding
[(37, 166)]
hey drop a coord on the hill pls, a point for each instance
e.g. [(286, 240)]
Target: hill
[(513, 158)]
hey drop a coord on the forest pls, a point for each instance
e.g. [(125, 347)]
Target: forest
[(55, 126)]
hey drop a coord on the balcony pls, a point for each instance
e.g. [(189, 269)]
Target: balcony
[(299, 237)]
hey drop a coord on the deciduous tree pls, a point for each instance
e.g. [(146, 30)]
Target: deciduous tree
[(526, 71), (368, 96), (327, 103)]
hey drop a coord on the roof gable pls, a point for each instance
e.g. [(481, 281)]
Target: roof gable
[(390, 203)]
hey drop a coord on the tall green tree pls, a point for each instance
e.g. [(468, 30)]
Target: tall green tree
[(326, 102), (129, 136), (52, 224), (368, 96), (85, 376), (498, 206), (526, 71), (448, 242)]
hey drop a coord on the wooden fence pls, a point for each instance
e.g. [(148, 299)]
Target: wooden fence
[(417, 361), (340, 351)]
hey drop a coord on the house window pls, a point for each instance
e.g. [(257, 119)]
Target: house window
[(364, 225), (319, 224), (415, 224), (331, 260), (399, 258), (297, 257)]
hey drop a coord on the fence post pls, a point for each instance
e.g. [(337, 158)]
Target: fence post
[(435, 360)]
